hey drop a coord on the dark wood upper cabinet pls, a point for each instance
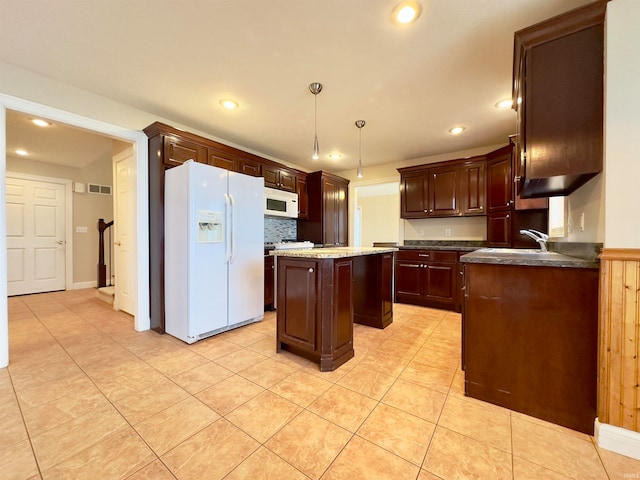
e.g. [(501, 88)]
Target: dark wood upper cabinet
[(499, 180), (558, 94), (414, 194), (178, 150), (280, 178), (222, 159), (249, 166), (472, 187), (303, 198), (443, 191)]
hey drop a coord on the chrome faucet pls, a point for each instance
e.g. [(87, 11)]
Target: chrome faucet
[(541, 238)]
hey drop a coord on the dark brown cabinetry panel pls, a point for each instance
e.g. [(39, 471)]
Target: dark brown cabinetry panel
[(373, 296), (558, 76), (504, 219), (177, 151), (315, 309), (327, 221), (279, 178), (445, 189), (499, 180), (250, 167), (472, 188), (269, 276), (221, 159), (414, 195), (303, 198), (427, 278), (499, 229), (535, 350)]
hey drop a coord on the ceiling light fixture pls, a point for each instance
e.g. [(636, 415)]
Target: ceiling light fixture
[(503, 104), (229, 104), (315, 88), (360, 124), (41, 123), (406, 12), (335, 156), (22, 152), (456, 130)]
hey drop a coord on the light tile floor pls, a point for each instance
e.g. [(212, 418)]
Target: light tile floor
[(86, 396)]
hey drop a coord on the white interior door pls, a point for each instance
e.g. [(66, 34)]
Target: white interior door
[(35, 236), (125, 228)]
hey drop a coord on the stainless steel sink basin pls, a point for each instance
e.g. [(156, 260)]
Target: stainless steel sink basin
[(521, 252)]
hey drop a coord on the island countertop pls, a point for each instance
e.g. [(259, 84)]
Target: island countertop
[(332, 252)]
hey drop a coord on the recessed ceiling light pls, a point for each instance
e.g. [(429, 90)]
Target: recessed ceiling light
[(41, 123), (22, 152), (335, 156), (506, 103), (406, 12), (456, 130), (229, 104)]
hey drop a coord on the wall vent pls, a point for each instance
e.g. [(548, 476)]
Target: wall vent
[(99, 189)]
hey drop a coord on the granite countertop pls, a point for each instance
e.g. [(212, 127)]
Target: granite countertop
[(526, 257), (333, 252)]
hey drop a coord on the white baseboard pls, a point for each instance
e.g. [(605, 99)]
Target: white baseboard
[(618, 440), (81, 285)]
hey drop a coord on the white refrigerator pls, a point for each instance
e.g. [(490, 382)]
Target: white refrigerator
[(214, 250)]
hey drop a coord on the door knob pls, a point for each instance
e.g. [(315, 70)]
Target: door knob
[(59, 242), (117, 244)]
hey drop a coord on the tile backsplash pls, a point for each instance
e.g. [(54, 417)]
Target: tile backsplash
[(278, 229)]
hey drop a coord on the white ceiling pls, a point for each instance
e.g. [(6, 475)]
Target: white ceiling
[(177, 59)]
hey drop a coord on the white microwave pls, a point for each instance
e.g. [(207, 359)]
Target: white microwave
[(279, 203)]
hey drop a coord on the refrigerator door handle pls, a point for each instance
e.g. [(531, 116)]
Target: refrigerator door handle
[(227, 243), (231, 229)]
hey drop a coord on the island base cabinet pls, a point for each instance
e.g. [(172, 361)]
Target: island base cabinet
[(530, 340), (373, 292), (315, 309)]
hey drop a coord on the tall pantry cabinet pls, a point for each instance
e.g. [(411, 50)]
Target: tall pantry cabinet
[(328, 216)]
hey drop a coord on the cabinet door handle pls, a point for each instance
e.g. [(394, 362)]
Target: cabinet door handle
[(425, 211), (311, 270), (517, 178), (423, 255), (410, 266)]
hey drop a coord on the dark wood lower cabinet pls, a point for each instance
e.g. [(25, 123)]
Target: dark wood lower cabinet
[(269, 271), (530, 340), (315, 309), (372, 295), (427, 278)]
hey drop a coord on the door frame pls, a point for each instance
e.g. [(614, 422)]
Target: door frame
[(68, 218), (142, 320)]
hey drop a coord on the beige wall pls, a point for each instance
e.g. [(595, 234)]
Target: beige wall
[(622, 124), (87, 208), (379, 219)]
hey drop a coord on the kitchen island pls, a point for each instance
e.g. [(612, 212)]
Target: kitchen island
[(321, 292)]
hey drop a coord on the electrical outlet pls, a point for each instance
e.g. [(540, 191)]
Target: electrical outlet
[(81, 229), (421, 233), (447, 232)]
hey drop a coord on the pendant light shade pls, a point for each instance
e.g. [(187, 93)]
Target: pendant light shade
[(360, 124), (315, 88)]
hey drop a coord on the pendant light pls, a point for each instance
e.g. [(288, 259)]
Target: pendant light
[(315, 88), (360, 124)]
